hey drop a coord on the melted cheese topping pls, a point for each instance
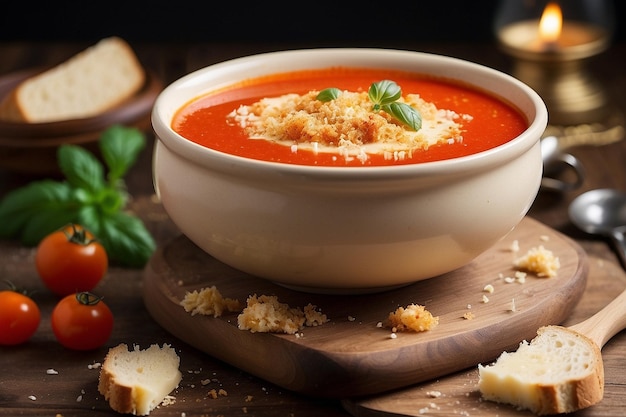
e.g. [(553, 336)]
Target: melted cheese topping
[(347, 125)]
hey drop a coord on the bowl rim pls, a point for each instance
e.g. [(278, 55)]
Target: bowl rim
[(262, 63)]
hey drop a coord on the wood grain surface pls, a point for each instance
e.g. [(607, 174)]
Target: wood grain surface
[(351, 355), (457, 394)]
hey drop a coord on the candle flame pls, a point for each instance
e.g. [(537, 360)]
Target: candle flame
[(551, 23)]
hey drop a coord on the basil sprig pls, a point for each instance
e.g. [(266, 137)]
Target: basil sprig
[(328, 94), (87, 197), (384, 95)]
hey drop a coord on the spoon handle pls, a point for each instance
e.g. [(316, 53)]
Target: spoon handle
[(620, 245), (606, 323)]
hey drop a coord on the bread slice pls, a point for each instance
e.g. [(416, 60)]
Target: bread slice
[(89, 83), (559, 371), (137, 381)]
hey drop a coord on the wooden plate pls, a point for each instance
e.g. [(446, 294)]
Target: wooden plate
[(30, 148), (351, 355)]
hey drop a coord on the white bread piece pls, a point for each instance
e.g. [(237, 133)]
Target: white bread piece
[(559, 371), (89, 83), (137, 381)]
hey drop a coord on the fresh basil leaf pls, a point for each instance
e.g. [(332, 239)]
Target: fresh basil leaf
[(405, 114), (110, 200), (384, 92), (126, 239), (85, 198), (47, 204), (328, 94), (81, 168), (120, 147), (43, 222)]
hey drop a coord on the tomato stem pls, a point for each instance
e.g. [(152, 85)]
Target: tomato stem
[(78, 235), (87, 298), (12, 287)]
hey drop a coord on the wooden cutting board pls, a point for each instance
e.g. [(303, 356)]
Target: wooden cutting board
[(457, 394), (351, 355)]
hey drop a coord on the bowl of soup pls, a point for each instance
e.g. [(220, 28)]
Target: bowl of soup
[(347, 170)]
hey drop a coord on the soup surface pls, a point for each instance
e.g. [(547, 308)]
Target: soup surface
[(483, 121)]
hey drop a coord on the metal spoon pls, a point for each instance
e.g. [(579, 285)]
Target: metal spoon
[(555, 159), (602, 212)]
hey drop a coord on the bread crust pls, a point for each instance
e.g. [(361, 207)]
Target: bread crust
[(120, 397), (511, 384), (118, 381), (583, 393)]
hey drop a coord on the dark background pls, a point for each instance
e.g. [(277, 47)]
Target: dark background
[(259, 21)]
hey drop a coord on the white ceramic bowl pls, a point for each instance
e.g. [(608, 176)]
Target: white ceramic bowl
[(346, 229)]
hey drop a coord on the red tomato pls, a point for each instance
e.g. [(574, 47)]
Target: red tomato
[(71, 260), (82, 321), (19, 317)]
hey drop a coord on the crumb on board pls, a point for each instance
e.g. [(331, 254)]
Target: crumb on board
[(540, 261), (468, 315), (413, 317), (434, 394), (214, 393), (209, 301), (266, 314)]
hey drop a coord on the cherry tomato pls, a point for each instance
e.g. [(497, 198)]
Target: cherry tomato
[(71, 260), (19, 317), (82, 321)]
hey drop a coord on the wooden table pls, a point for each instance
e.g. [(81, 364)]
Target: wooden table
[(27, 389)]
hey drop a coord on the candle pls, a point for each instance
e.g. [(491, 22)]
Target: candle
[(552, 37)]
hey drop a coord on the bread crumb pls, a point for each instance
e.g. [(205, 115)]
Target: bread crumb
[(414, 317), (213, 393), (468, 315), (168, 400), (434, 394), (346, 123), (485, 299), (266, 314), (489, 288), (540, 261), (209, 301), (248, 398), (52, 372), (515, 246)]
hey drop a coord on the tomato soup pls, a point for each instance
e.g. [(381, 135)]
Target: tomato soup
[(490, 121)]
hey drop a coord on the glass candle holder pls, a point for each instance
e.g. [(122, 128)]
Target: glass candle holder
[(550, 43)]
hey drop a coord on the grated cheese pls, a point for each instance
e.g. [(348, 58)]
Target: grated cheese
[(346, 125)]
